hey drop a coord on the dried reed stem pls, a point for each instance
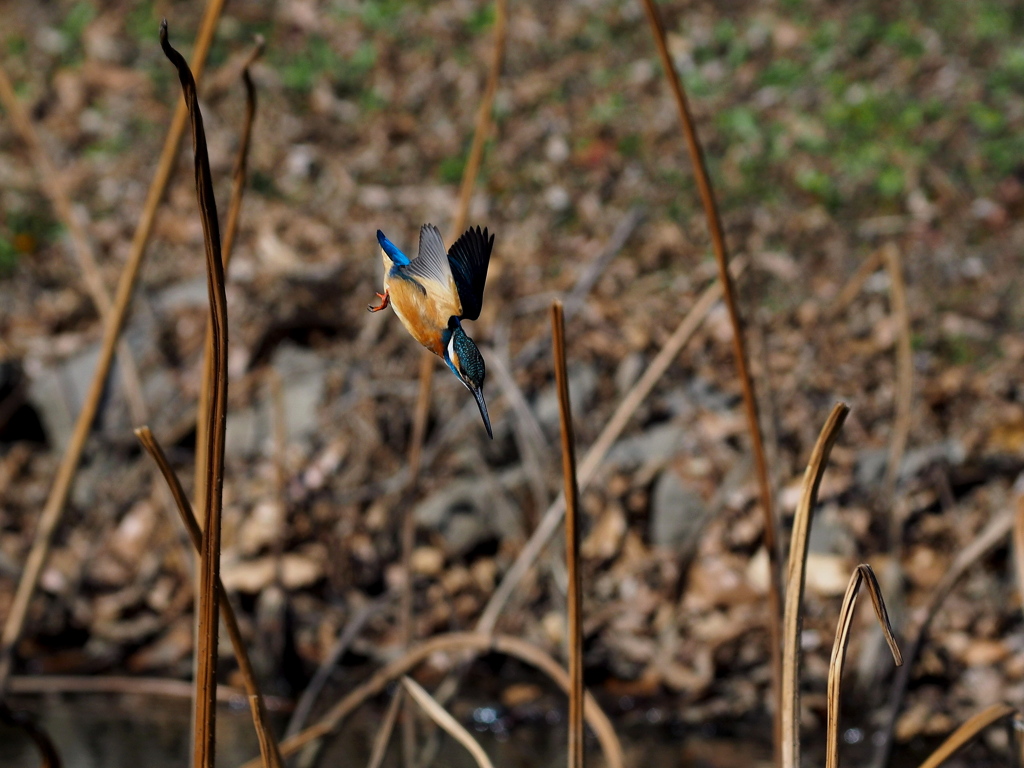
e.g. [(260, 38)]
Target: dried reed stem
[(592, 461), (195, 535), (440, 716), (262, 733), (49, 518), (990, 537), (206, 675), (714, 221), (387, 727), (238, 178), (572, 541), (457, 643), (789, 715), (967, 732), (862, 574)]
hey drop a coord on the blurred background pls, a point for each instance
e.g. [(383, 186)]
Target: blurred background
[(842, 139)]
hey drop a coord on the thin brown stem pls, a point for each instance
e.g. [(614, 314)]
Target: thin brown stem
[(789, 715), (50, 517), (862, 574), (440, 716), (262, 734), (387, 727), (967, 732), (238, 178), (195, 535), (209, 597), (740, 359), (572, 541)]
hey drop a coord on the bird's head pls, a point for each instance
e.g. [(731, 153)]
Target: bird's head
[(466, 362)]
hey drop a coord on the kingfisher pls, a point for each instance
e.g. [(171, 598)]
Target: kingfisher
[(433, 293)]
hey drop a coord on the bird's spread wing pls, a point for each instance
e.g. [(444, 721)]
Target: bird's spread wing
[(468, 260), (431, 263)]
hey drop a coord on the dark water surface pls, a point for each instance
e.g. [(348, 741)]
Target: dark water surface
[(125, 731), (103, 731)]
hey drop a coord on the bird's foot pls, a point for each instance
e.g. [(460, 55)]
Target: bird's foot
[(385, 299)]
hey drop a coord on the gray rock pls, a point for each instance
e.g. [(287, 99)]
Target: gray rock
[(303, 374), (466, 512), (678, 514), (303, 381), (871, 463), (655, 446), (185, 294), (829, 536)]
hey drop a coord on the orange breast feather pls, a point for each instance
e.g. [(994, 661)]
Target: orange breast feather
[(425, 312)]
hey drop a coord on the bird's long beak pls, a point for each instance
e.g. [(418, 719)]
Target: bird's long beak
[(479, 395)]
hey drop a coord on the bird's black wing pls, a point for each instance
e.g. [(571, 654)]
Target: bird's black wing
[(468, 258)]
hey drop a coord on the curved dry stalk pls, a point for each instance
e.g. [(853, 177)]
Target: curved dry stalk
[(789, 715), (238, 178), (990, 537), (209, 597), (262, 734), (455, 643), (387, 726), (440, 716), (966, 732), (50, 517), (597, 452), (714, 221), (862, 574), (82, 250), (572, 541), (195, 535)]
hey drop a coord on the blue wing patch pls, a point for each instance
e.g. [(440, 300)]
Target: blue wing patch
[(391, 250)]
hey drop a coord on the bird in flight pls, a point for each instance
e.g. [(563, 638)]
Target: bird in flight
[(433, 293)]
